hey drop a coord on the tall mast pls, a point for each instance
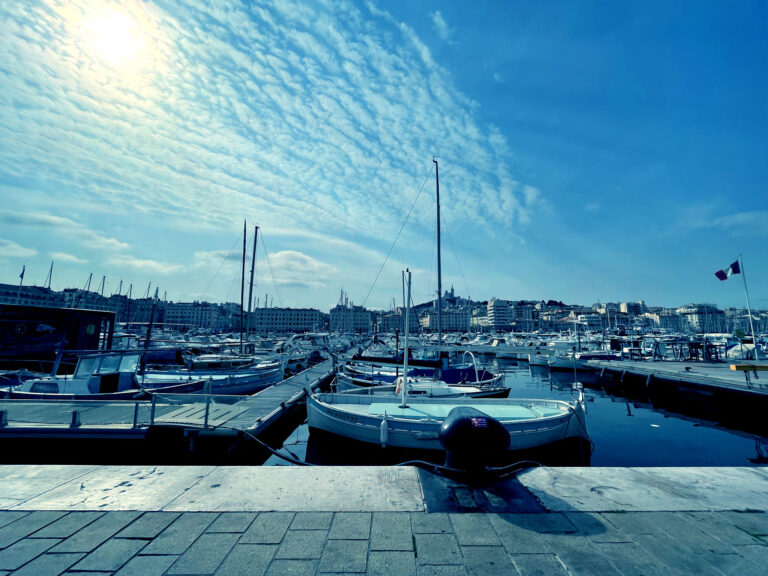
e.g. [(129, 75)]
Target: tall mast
[(50, 277), (407, 277), (253, 267), (749, 311), (242, 290), (439, 269)]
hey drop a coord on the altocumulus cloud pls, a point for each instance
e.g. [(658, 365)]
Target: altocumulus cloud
[(10, 249), (307, 112)]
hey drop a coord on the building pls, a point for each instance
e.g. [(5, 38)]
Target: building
[(452, 321), (29, 296), (350, 318), (285, 320), (498, 315)]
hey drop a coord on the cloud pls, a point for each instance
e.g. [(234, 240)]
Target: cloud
[(65, 257), (145, 265), (64, 226), (9, 249), (292, 268), (441, 26), (742, 223)]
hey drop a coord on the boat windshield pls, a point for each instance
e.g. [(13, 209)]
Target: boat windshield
[(110, 363), (129, 363), (86, 366)]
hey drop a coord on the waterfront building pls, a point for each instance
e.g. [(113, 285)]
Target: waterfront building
[(285, 320), (350, 318), (452, 321), (29, 296), (498, 313)]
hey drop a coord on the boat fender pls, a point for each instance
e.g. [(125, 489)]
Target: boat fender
[(384, 432), (470, 437)]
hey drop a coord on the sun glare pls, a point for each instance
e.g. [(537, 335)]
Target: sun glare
[(116, 35)]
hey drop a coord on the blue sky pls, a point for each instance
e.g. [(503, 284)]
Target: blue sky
[(588, 151)]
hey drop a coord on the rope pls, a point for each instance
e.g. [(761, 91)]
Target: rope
[(398, 235)]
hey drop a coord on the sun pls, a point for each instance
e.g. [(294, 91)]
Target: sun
[(116, 35)]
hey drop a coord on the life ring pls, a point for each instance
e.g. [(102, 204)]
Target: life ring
[(21, 329)]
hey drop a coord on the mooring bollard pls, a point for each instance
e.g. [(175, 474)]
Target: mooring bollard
[(75, 419), (3, 418)]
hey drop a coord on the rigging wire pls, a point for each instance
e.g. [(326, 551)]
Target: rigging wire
[(398, 235), (272, 273), (223, 260), (456, 257)]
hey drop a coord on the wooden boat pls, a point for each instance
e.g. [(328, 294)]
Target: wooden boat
[(385, 421)]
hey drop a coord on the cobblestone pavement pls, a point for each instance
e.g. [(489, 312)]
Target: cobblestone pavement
[(41, 543)]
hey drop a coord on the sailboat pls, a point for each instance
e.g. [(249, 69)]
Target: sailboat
[(425, 423)]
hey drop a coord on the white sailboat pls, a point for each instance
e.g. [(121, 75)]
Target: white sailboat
[(418, 422)]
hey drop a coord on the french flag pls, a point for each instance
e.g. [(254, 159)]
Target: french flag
[(726, 273)]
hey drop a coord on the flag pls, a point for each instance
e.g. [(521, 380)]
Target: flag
[(23, 268), (726, 273)]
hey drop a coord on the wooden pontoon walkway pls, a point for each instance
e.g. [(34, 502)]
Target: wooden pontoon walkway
[(85, 418)]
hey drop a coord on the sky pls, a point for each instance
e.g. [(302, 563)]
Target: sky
[(590, 151)]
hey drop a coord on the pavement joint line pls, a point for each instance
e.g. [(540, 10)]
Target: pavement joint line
[(52, 488), (168, 504)]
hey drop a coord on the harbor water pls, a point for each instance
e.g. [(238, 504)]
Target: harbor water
[(624, 432)]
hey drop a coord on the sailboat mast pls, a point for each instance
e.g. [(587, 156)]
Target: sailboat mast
[(253, 267), (439, 269), (242, 290), (407, 277)]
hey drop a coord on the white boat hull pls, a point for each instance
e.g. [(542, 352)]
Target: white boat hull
[(344, 415)]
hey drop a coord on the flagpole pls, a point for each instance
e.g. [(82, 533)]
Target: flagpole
[(749, 311), (21, 281)]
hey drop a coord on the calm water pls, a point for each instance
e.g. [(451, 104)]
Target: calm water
[(625, 433)]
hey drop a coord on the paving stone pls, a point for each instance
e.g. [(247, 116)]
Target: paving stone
[(146, 566), (268, 528), (755, 523), (23, 551), (431, 523), (632, 559), (8, 516), (596, 528), (674, 555), (292, 568), (539, 565), (391, 564), (756, 554), (312, 521), (68, 525), (96, 532), (633, 522), (487, 561), (205, 555), (474, 530), (148, 525), (391, 531), (734, 564), (515, 538), (350, 526), (179, 536), (344, 556), (578, 555), (437, 549), (717, 524), (680, 529), (302, 544), (232, 522), (49, 565), (446, 570), (26, 525), (247, 560), (111, 555)]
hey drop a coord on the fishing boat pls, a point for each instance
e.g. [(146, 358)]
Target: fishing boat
[(427, 423), (104, 376), (386, 421)]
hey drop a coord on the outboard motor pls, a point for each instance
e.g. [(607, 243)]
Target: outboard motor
[(470, 437)]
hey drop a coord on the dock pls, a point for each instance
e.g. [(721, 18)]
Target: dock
[(271, 521), (173, 419)]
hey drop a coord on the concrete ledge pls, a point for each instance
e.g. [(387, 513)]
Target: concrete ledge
[(210, 488), (648, 489)]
